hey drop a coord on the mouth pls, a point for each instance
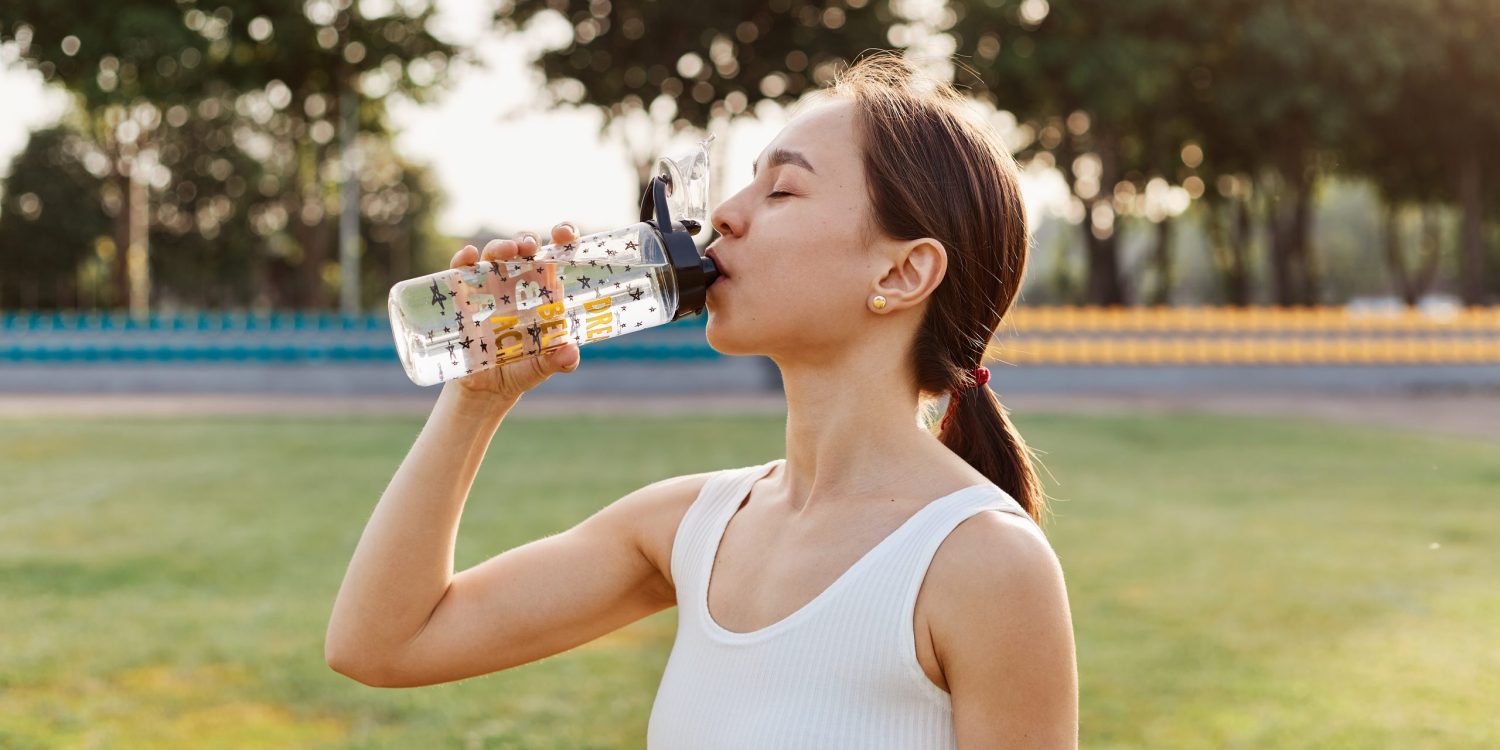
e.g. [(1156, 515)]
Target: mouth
[(723, 272)]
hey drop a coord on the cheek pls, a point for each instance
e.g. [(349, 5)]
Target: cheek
[(800, 304), (810, 290)]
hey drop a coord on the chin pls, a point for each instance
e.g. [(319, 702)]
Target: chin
[(722, 337)]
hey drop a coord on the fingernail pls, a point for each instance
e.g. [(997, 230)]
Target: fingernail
[(570, 227)]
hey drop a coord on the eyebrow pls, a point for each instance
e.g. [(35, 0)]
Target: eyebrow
[(782, 156)]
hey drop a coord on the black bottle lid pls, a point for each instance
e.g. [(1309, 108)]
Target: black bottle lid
[(694, 272)]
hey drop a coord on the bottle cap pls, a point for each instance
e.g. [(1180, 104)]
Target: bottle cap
[(682, 182)]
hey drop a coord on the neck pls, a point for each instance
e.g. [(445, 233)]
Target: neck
[(847, 417)]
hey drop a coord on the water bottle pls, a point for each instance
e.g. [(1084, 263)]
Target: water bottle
[(457, 322)]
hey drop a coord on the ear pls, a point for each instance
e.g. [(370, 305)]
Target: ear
[(917, 267)]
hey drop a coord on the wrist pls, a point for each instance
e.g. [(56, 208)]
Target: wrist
[(471, 405)]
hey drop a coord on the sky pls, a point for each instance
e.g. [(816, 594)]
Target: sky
[(503, 162), (29, 104)]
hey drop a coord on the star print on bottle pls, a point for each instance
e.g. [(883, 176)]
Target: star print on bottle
[(583, 293)]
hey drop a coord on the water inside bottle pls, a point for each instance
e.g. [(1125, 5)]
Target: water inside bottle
[(461, 321)]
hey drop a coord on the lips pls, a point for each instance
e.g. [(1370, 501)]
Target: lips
[(724, 272)]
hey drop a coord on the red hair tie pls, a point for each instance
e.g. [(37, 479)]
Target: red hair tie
[(981, 376)]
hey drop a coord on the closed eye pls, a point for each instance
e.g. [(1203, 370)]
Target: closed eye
[(779, 194)]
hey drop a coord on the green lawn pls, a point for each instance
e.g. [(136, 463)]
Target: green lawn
[(1236, 583)]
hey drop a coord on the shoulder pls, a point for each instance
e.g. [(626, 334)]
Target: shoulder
[(992, 538), (652, 514), (996, 560), (1002, 629)]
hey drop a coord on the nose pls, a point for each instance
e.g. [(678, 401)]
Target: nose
[(727, 220)]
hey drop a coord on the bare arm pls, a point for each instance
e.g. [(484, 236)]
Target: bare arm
[(1004, 638), (403, 564), (403, 618)]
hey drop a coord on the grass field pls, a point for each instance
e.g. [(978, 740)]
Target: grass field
[(1235, 582)]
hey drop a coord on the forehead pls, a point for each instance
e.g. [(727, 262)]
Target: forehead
[(825, 134)]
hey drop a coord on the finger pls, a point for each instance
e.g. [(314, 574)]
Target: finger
[(501, 249), (468, 256), (564, 233), (528, 244), (565, 358)]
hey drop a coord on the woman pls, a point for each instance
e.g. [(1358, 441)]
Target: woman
[(861, 596)]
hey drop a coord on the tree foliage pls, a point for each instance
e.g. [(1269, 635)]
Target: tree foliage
[(657, 68), (229, 112), (1229, 112), (1246, 104), (51, 217)]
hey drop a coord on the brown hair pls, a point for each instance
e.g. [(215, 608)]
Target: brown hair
[(933, 171)]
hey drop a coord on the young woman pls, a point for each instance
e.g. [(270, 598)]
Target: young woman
[(886, 584)]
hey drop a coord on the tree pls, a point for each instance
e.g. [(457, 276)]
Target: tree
[(659, 68), (1097, 85), (1439, 137), (277, 71), (1295, 83), (51, 220)]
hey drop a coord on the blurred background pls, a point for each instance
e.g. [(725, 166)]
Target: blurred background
[(1258, 343)]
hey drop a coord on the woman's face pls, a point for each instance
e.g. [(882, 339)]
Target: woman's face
[(793, 244)]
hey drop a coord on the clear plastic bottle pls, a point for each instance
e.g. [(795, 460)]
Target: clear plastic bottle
[(460, 321)]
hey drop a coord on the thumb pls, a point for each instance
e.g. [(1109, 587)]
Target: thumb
[(565, 358)]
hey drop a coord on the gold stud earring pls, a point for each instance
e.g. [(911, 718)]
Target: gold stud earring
[(879, 302)]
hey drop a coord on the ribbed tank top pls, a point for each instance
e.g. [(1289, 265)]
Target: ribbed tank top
[(841, 672)]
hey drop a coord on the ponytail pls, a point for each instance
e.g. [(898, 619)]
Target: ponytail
[(979, 430)]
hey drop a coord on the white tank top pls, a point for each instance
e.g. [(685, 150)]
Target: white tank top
[(841, 672)]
